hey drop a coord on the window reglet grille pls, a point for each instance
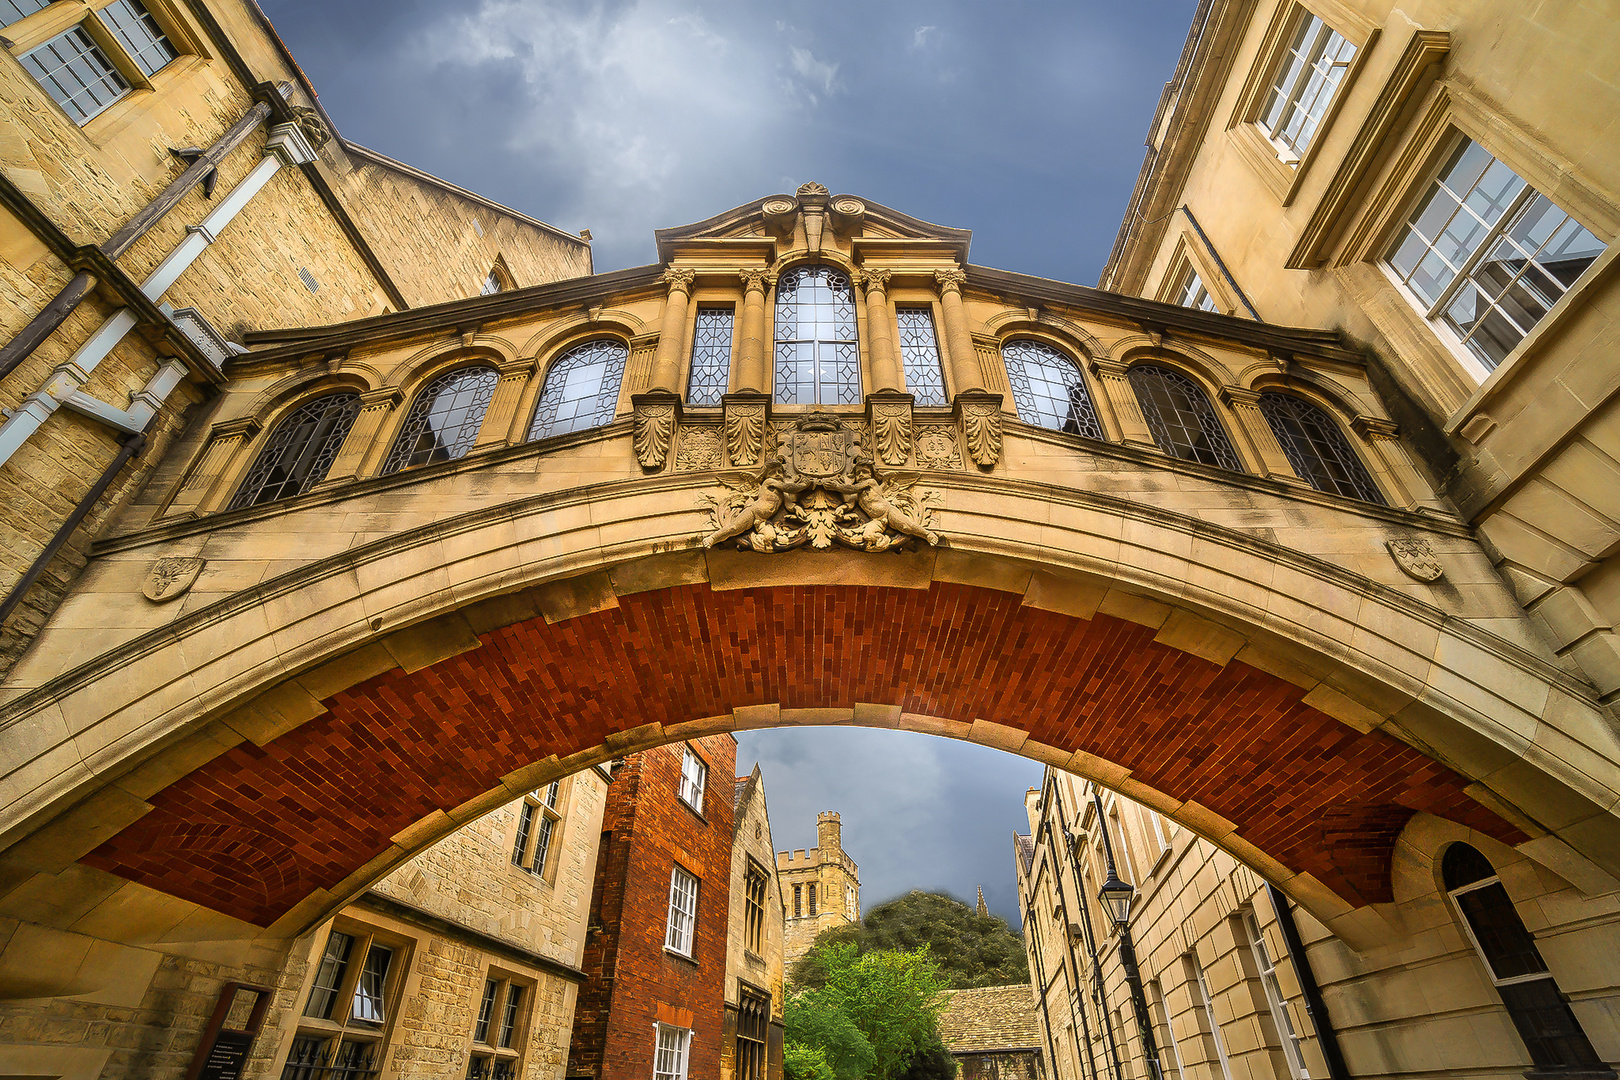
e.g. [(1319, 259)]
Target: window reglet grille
[(581, 390), (1179, 415), (1049, 389), (711, 356)]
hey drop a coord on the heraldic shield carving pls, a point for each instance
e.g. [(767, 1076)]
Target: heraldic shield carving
[(821, 490)]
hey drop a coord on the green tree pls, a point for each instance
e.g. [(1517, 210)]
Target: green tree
[(930, 1063), (801, 1062), (812, 1020), (970, 949), (894, 998)]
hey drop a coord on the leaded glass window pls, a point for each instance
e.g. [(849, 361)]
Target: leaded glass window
[(1317, 449), (1488, 254), (1536, 1006), (1049, 389), (1310, 73), (711, 356), (818, 360), (300, 451), (581, 390), (919, 350), (368, 990), (1179, 415), (12, 10), (76, 73), (139, 33), (444, 420)]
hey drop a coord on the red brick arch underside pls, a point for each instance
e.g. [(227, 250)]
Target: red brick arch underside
[(326, 798)]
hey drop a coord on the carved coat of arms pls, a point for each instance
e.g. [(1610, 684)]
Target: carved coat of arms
[(170, 578), (821, 490), (1415, 558)]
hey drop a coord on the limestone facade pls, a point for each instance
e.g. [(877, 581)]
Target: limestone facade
[(1224, 991), (821, 887), (335, 238), (1521, 436), (752, 1046)]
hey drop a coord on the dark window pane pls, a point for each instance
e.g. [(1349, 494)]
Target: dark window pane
[(329, 975), (444, 421), (139, 33), (300, 451), (76, 73), (1317, 449), (1464, 865), (1179, 415), (1548, 1027), (486, 1010), (1507, 945), (306, 1060)]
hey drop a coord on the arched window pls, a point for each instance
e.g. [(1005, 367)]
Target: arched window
[(444, 420), (1541, 1013), (818, 361), (1179, 415), (1049, 389), (582, 389), (299, 451), (1317, 449)]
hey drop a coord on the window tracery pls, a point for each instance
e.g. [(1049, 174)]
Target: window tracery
[(300, 451), (817, 355), (1317, 449), (1049, 389), (1179, 415), (444, 420), (581, 390)]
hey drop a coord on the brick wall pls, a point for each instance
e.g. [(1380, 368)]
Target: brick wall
[(633, 982)]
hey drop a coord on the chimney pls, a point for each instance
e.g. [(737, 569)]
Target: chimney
[(829, 835)]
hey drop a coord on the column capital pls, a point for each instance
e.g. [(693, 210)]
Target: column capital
[(877, 280), (384, 398), (517, 369), (243, 427), (951, 280), (756, 280), (1109, 369), (679, 278), (1240, 397)]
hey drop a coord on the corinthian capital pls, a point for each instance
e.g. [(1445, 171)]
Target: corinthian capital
[(951, 280), (876, 279), (754, 279), (679, 278)]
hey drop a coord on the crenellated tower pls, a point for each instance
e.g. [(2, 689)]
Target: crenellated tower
[(821, 888)]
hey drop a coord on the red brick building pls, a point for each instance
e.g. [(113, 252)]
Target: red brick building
[(653, 1004)]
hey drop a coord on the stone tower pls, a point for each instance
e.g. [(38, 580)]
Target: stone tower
[(821, 888)]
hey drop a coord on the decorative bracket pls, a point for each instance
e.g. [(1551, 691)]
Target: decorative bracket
[(656, 413), (891, 418), (745, 416), (979, 413)]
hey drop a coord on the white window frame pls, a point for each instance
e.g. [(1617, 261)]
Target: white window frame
[(539, 824), (1434, 314), (1313, 55), (694, 779), (1293, 1048), (1189, 290), (679, 1046), (1206, 1001), (1468, 929), (681, 930)]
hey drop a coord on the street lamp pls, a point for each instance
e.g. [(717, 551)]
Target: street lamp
[(1118, 895)]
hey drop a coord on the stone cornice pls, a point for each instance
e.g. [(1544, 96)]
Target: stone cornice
[(410, 913)]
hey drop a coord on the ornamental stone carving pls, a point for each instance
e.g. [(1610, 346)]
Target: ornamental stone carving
[(699, 449), (310, 123), (950, 280), (745, 428), (1416, 559), (891, 428), (821, 490), (936, 448), (679, 278), (655, 416), (812, 188), (170, 579), (981, 426)]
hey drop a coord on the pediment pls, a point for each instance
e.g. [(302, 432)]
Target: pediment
[(811, 209)]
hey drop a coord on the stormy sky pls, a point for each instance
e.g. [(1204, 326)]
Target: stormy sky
[(1020, 120)]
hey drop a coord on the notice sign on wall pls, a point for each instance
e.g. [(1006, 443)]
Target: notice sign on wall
[(228, 1039)]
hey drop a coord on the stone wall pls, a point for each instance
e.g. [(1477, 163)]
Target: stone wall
[(763, 970), (833, 873), (633, 981)]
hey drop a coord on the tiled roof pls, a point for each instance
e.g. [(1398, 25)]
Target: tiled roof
[(989, 1019)]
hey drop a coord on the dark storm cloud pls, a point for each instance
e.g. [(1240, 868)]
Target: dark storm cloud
[(918, 812), (1021, 121)]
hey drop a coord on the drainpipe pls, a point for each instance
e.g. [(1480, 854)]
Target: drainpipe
[(1315, 1007), (1063, 898), (1101, 992), (286, 146), (202, 171)]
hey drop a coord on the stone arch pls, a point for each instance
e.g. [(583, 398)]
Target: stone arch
[(1006, 324), (792, 260), (1193, 361), (549, 347), (423, 365), (274, 405), (1227, 642)]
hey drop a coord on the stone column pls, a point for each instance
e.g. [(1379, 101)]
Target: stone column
[(753, 352), (360, 448), (501, 416), (1245, 405), (1122, 401), (1411, 491), (666, 365), (224, 443), (964, 362), (886, 374)]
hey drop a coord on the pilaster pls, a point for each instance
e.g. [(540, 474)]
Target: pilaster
[(1411, 490), (360, 447), (1133, 428), (501, 416), (880, 332), (198, 492), (753, 353), (1245, 405)]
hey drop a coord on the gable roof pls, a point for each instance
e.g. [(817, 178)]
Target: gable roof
[(989, 1019)]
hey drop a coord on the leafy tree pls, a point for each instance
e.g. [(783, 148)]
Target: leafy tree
[(930, 1063), (970, 949), (894, 998), (814, 1021), (801, 1062)]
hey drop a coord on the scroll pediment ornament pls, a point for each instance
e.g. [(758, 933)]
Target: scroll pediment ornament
[(655, 416), (1415, 558), (171, 578), (819, 491)]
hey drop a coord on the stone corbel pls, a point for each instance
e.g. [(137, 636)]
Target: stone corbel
[(656, 414), (813, 209), (979, 413), (890, 414), (746, 415)]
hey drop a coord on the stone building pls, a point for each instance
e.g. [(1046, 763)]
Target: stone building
[(654, 997), (821, 887), (464, 962), (169, 183), (994, 1033), (751, 1047)]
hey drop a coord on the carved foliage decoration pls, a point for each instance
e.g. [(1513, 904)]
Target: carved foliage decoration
[(936, 447), (981, 425), (700, 448), (820, 491), (170, 579), (891, 427), (1415, 558), (654, 430), (745, 427)]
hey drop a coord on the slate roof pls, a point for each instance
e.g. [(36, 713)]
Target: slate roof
[(990, 1019), (738, 786)]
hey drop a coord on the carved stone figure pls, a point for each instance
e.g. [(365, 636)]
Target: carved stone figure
[(820, 490), (1415, 558), (313, 126), (170, 579)]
